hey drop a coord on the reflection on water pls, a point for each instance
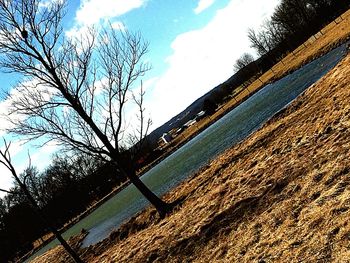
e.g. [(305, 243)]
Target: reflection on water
[(232, 128)]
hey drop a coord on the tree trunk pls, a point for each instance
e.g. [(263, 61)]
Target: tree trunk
[(126, 166), (66, 246), (162, 207), (57, 234)]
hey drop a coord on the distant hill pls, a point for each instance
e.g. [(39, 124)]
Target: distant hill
[(180, 119), (216, 95)]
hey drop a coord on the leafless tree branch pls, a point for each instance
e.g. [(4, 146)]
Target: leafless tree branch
[(75, 90)]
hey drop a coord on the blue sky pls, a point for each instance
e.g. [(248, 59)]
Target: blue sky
[(193, 46)]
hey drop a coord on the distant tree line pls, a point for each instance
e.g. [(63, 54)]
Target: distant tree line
[(291, 24), (63, 190)]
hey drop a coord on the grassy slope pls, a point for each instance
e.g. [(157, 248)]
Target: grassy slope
[(282, 195)]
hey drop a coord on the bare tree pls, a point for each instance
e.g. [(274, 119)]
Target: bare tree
[(258, 41), (274, 33), (75, 91), (6, 161), (243, 61)]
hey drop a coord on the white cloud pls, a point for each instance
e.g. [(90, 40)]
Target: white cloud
[(42, 156), (4, 123), (5, 106), (5, 179), (18, 149), (92, 11), (118, 26), (27, 90), (39, 157), (204, 58), (47, 3), (78, 32), (202, 5), (146, 85)]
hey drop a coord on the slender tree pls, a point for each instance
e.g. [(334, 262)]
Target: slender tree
[(5, 159), (76, 91)]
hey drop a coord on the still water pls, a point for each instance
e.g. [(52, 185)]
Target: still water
[(232, 128)]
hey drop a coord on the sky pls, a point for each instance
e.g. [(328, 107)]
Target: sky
[(193, 45)]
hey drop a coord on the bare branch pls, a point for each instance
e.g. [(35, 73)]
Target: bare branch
[(6, 191), (75, 91), (6, 160)]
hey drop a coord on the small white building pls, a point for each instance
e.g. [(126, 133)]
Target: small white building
[(166, 137), (190, 123)]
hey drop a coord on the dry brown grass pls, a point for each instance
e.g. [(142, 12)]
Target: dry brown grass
[(282, 195)]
